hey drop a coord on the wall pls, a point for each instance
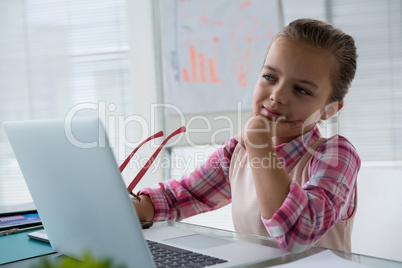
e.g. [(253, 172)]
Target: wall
[(379, 215), (143, 74)]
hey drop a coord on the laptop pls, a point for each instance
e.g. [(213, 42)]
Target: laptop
[(83, 202)]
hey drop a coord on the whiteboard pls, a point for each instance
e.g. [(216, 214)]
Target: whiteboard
[(213, 51)]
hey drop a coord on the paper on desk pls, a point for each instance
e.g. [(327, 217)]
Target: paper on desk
[(325, 259)]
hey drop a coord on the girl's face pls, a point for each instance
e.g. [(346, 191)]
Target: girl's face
[(294, 84)]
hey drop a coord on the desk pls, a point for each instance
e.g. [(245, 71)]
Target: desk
[(366, 260), (19, 246)]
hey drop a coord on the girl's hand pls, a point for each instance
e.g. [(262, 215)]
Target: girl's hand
[(258, 131), (258, 136), (144, 207)]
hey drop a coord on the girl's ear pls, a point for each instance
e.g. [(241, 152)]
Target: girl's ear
[(331, 109)]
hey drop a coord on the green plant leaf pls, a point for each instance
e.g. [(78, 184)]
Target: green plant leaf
[(89, 261)]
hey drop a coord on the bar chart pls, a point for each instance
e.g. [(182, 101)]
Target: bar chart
[(202, 69)]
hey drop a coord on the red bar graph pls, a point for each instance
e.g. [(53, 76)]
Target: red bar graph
[(198, 68)]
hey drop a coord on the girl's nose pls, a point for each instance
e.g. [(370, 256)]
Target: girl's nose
[(278, 95)]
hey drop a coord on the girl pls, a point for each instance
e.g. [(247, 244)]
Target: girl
[(283, 179)]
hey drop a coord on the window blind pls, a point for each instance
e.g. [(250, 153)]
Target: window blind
[(54, 55)]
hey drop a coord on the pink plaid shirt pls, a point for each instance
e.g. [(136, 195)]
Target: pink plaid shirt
[(306, 214)]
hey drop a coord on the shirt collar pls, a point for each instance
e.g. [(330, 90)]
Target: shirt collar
[(295, 149)]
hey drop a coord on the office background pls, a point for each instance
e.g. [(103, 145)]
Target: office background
[(55, 55)]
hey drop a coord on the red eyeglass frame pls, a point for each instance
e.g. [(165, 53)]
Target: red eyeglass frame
[(145, 168)]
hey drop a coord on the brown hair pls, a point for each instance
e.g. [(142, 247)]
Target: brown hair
[(325, 36)]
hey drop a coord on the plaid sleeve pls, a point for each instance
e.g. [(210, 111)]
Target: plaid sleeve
[(309, 211), (205, 189)]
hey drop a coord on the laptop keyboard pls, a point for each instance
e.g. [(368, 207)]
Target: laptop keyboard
[(168, 256)]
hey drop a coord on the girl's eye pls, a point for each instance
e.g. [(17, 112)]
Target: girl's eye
[(302, 91), (269, 77)]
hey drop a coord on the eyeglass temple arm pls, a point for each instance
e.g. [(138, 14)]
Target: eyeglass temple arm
[(124, 164), (151, 160)]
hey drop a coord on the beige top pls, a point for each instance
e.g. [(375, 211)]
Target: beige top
[(245, 209)]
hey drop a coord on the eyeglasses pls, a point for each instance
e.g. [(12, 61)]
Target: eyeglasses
[(139, 176)]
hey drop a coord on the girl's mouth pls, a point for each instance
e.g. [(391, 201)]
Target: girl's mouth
[(273, 114)]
